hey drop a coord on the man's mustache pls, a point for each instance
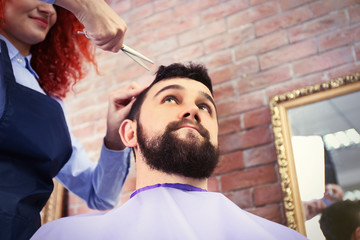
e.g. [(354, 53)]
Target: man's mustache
[(173, 126)]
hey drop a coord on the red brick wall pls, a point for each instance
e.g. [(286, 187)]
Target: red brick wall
[(254, 49)]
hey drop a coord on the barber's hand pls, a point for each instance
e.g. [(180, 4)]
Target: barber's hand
[(333, 192), (120, 103), (103, 26), (313, 208)]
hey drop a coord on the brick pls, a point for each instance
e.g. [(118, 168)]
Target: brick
[(84, 131), (260, 155), (202, 32), (158, 48), (357, 51), (138, 3), (264, 79), (223, 10), (267, 194), (217, 59), (240, 69), (323, 62), (270, 212), (256, 2), (152, 22), (318, 26), (243, 140), (79, 103), (213, 185), (89, 115), (229, 162), (193, 6), (229, 125), (140, 41), (224, 91), (229, 39), (323, 7), (141, 12), (121, 6), (241, 198), (261, 45), (257, 117), (288, 54), (354, 14), (344, 71), (288, 4), (178, 25), (222, 75), (252, 14), (184, 54), (283, 21), (132, 71), (92, 145), (292, 85), (100, 127), (248, 178), (161, 5), (240, 104), (247, 66), (339, 38)]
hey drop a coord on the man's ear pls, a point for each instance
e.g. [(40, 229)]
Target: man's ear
[(356, 234), (127, 133)]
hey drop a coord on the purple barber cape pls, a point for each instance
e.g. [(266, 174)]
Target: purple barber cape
[(169, 211)]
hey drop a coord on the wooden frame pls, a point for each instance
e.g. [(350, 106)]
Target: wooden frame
[(279, 106), (55, 205)]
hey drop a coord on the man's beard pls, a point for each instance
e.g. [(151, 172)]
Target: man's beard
[(191, 157)]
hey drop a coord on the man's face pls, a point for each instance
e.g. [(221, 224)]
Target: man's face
[(173, 100), (177, 130)]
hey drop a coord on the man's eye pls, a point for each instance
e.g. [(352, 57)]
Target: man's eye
[(205, 108), (170, 99)]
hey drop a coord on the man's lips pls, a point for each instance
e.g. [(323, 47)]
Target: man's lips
[(41, 21), (189, 126)]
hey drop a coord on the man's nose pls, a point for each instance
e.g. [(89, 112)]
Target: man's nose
[(191, 112)]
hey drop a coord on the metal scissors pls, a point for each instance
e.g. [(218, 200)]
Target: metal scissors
[(134, 55)]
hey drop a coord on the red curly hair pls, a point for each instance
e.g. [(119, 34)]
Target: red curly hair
[(59, 59)]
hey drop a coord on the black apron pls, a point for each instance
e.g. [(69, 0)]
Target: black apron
[(34, 146)]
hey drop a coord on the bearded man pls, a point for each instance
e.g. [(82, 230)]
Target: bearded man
[(173, 131)]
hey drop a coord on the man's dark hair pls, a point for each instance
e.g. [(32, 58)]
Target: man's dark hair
[(193, 71), (339, 220)]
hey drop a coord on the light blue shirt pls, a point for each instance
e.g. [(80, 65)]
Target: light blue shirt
[(49, 1), (99, 184)]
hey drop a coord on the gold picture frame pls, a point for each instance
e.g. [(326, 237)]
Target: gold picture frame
[(279, 106), (55, 205)]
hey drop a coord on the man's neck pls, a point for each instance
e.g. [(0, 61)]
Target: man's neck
[(147, 177)]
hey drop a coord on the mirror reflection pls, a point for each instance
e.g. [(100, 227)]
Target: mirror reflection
[(326, 147)]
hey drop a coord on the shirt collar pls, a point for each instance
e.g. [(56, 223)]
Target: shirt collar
[(180, 186), (14, 54)]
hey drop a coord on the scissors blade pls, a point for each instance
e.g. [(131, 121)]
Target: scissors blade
[(136, 60), (135, 53)]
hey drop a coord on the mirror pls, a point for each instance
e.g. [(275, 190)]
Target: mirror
[(307, 125)]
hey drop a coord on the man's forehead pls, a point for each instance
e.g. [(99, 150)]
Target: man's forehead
[(180, 84)]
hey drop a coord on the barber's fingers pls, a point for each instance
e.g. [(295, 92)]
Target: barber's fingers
[(110, 41), (125, 95)]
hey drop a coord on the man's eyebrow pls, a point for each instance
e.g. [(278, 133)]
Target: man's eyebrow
[(179, 87), (174, 86), (207, 96)]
